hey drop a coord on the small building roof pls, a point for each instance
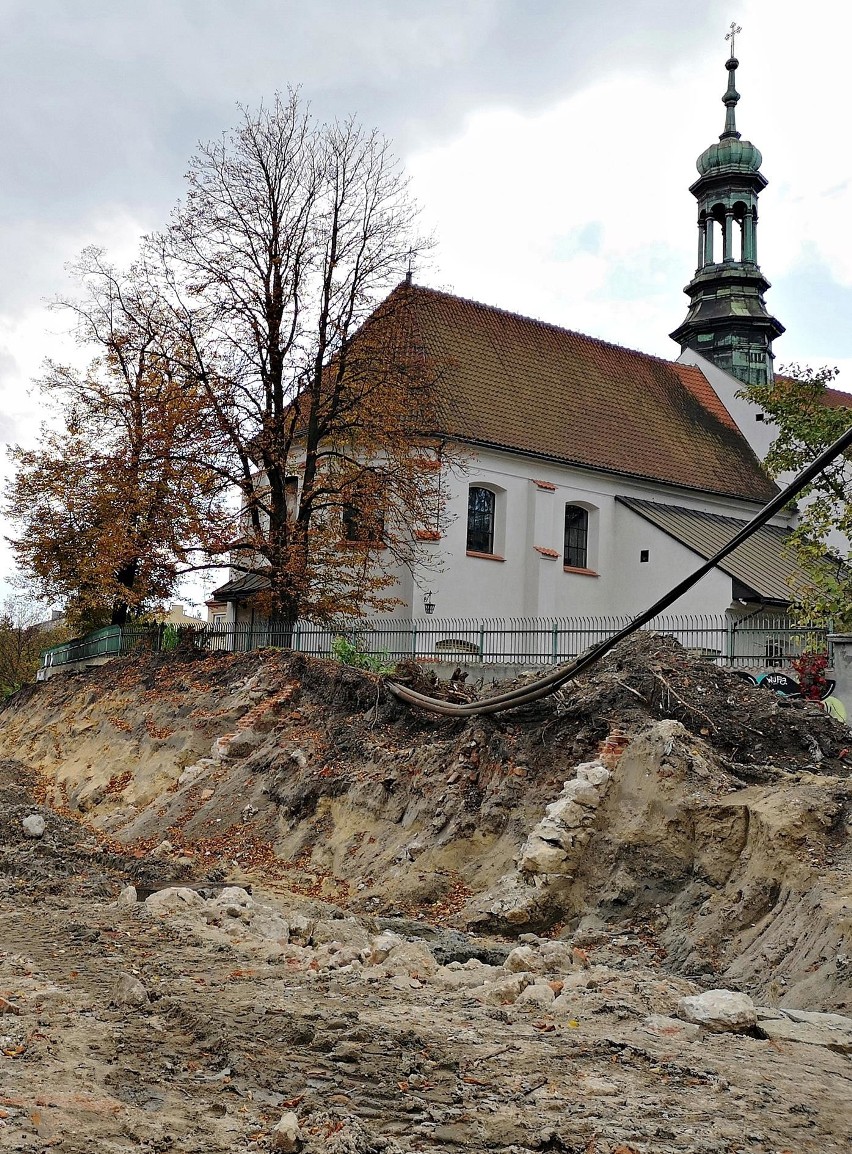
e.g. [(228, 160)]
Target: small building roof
[(519, 384), (239, 587), (763, 566)]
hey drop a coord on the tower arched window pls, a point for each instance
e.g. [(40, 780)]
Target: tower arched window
[(576, 537), (480, 520)]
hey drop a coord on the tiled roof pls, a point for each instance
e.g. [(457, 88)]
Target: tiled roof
[(762, 564), (520, 384), (837, 399)]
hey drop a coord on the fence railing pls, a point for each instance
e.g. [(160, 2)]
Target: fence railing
[(754, 641)]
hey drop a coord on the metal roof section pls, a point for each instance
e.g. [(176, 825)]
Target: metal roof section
[(762, 565), (240, 587)]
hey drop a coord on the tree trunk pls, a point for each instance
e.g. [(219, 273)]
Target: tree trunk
[(126, 576)]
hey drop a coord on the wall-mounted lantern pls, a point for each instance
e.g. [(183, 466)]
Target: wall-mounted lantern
[(429, 602)]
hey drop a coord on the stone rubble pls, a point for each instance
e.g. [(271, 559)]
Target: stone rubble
[(540, 974), (719, 1010), (549, 1048), (286, 1135), (555, 845), (129, 991), (33, 825), (809, 1027)]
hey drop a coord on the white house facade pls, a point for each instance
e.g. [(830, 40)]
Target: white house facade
[(627, 562)]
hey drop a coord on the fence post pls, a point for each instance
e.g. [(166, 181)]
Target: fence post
[(554, 643), (730, 639), (297, 636), (414, 641), (841, 644)]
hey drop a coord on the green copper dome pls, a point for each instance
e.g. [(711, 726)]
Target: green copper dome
[(728, 153), (731, 154), (728, 322)]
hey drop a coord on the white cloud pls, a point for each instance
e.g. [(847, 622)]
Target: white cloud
[(512, 193)]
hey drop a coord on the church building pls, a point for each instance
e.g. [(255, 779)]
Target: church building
[(596, 476), (599, 476)]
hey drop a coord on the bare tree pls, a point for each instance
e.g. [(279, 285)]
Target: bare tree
[(271, 270)]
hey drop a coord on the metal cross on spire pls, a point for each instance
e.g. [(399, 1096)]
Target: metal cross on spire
[(732, 35)]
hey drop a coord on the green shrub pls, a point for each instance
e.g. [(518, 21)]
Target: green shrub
[(352, 652), (169, 639)]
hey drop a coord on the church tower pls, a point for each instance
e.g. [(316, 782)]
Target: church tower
[(727, 320)]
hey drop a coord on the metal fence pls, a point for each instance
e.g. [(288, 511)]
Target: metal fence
[(537, 641), (753, 641)]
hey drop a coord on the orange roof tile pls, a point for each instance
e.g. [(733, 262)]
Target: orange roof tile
[(520, 384), (837, 399)]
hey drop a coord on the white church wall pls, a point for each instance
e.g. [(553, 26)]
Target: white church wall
[(758, 432), (525, 576), (528, 581)]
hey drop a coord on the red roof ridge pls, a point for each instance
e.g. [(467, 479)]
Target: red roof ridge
[(546, 325)]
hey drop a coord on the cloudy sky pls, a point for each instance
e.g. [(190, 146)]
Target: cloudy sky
[(551, 144)]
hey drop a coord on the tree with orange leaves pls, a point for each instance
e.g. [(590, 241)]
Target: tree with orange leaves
[(118, 495), (252, 400)]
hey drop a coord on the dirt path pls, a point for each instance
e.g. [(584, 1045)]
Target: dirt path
[(369, 1061)]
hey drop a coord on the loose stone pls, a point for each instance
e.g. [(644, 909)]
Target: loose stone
[(33, 825), (719, 1011)]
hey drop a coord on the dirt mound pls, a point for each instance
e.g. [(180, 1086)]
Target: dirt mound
[(472, 934), (650, 676), (729, 808), (67, 853)]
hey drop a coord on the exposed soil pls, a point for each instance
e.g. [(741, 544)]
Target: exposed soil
[(366, 983)]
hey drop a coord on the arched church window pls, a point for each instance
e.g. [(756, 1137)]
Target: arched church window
[(576, 537), (480, 520)]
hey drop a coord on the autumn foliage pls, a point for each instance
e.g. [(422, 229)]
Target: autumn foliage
[(116, 495), (250, 404), (808, 415)]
